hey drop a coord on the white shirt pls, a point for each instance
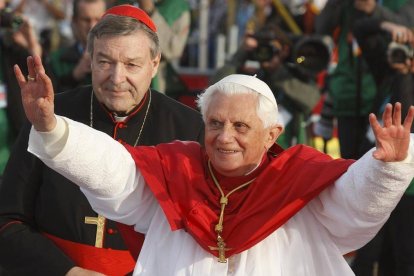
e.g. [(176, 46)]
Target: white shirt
[(342, 218)]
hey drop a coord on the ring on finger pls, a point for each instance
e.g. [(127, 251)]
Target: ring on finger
[(30, 78)]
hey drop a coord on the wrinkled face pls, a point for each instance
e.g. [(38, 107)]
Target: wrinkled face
[(122, 70), (89, 14), (235, 138)]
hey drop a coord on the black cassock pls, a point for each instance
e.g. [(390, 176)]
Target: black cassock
[(35, 201)]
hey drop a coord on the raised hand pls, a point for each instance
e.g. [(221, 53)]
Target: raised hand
[(37, 94), (392, 139)]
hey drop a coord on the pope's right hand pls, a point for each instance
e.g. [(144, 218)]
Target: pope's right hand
[(37, 95)]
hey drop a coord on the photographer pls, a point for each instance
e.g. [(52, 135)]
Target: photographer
[(45, 17), (400, 54), (388, 49), (268, 54), (351, 84), (17, 41)]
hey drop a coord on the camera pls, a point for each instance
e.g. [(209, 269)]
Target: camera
[(264, 52), (312, 53), (266, 49), (399, 53), (10, 20)]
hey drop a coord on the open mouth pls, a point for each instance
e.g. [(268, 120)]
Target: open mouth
[(226, 151)]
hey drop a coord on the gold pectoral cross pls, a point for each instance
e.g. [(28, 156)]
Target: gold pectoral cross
[(99, 221), (221, 247), (224, 200)]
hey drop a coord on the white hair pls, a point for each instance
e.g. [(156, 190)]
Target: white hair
[(266, 110)]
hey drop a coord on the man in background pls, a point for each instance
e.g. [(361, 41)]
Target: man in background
[(71, 66)]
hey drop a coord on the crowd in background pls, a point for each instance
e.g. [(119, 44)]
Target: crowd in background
[(329, 63)]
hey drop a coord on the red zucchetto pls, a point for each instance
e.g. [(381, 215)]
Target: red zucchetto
[(134, 12)]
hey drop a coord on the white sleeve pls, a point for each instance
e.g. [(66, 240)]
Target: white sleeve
[(354, 209), (102, 167)]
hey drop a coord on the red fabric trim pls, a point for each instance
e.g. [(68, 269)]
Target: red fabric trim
[(190, 199), (132, 239), (124, 122), (134, 12), (10, 223), (134, 112), (103, 260)]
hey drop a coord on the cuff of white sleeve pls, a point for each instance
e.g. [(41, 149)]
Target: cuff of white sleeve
[(51, 143)]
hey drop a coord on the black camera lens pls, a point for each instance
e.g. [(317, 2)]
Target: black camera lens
[(398, 56), (312, 54), (399, 53), (264, 52)]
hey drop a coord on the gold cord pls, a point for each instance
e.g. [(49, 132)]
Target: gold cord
[(224, 199)]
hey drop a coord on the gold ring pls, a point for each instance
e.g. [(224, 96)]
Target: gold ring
[(29, 78)]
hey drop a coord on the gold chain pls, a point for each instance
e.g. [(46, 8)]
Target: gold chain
[(143, 122), (224, 199)]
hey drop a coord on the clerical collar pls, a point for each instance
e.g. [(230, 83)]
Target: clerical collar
[(125, 117), (119, 118)]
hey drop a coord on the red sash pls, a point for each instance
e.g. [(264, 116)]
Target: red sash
[(176, 173), (103, 260)]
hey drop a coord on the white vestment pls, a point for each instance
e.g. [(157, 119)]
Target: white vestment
[(341, 219)]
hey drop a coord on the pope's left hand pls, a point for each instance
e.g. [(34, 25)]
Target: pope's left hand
[(393, 138)]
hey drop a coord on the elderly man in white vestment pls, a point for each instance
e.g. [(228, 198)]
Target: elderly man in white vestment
[(239, 206)]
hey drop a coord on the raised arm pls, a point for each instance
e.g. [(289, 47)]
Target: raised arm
[(359, 203)]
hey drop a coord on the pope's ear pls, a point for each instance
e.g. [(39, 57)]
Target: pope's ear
[(274, 133)]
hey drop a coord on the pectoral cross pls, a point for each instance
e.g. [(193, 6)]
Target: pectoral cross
[(99, 221), (221, 247)]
